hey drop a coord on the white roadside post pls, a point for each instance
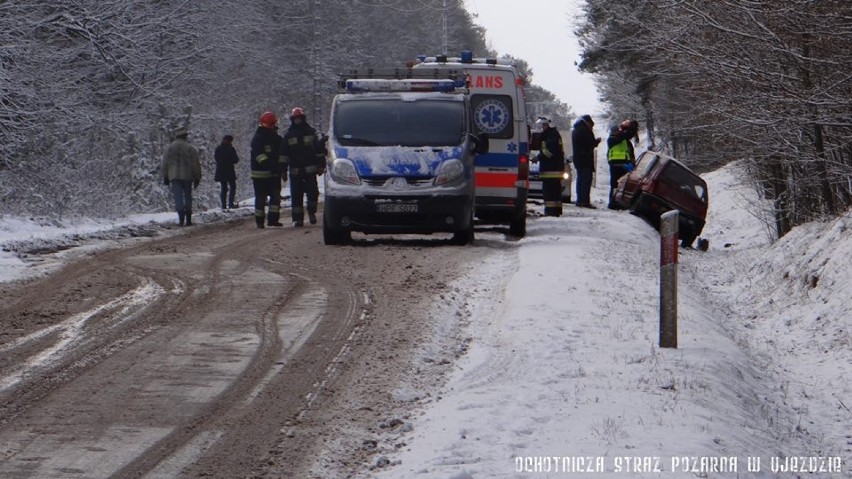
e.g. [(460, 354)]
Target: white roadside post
[(668, 279)]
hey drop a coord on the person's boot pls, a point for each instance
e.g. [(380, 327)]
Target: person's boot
[(189, 218), (312, 217), (181, 218), (272, 220)]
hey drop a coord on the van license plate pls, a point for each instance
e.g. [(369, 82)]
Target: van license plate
[(396, 207)]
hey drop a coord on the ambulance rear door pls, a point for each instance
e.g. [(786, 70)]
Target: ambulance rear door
[(497, 110)]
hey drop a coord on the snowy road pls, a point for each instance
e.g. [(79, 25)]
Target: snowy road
[(213, 352), (432, 361)]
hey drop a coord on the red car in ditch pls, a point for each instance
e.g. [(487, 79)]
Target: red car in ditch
[(660, 183)]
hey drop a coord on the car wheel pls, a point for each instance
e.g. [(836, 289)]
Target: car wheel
[(332, 235), (518, 225), (463, 237), (687, 237)]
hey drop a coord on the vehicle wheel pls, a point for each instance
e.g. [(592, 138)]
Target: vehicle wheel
[(334, 236), (518, 226), (463, 237), (687, 238)]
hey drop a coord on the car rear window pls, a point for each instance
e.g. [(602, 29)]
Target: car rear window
[(646, 163), (685, 180)]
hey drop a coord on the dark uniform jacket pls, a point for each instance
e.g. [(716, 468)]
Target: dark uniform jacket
[(226, 157), (552, 155), (584, 142), (301, 150), (265, 152)]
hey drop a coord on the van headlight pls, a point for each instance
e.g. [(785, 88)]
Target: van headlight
[(449, 171), (343, 171)]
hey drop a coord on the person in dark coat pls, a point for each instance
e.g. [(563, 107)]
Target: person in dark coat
[(304, 157), (551, 159), (266, 173), (584, 142), (620, 155), (226, 157)]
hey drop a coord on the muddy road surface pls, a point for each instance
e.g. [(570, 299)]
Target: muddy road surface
[(216, 351)]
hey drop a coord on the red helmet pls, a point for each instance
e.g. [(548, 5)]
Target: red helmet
[(268, 120), (297, 112)]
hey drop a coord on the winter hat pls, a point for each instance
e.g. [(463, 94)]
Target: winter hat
[(228, 138), (588, 119), (180, 132)]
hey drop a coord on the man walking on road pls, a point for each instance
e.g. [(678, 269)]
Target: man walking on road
[(304, 157), (182, 173), (584, 142), (265, 171)]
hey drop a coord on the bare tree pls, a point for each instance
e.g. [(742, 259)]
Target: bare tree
[(767, 82)]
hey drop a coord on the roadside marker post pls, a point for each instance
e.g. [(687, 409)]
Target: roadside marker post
[(668, 279)]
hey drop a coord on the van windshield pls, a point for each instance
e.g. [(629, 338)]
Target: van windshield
[(395, 122)]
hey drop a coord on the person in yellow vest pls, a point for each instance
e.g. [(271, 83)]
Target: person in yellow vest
[(620, 154)]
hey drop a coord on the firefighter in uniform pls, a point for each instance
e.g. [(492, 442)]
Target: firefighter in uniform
[(620, 155), (304, 157), (265, 171), (552, 161)]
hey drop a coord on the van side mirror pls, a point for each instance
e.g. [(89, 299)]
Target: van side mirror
[(480, 143)]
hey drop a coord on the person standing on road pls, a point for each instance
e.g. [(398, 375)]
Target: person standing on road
[(181, 173), (551, 158), (304, 156), (226, 157), (584, 143), (620, 155), (266, 171)]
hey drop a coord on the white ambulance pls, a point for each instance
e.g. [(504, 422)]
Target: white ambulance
[(498, 110)]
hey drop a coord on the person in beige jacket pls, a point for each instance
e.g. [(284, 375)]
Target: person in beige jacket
[(182, 173)]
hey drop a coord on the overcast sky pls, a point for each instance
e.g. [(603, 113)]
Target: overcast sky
[(540, 32)]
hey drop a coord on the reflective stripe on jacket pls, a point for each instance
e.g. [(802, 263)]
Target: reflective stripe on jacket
[(265, 151)]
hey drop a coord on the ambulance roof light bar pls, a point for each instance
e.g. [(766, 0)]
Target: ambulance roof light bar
[(466, 57), (377, 85)]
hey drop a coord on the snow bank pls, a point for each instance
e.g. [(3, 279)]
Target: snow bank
[(566, 373)]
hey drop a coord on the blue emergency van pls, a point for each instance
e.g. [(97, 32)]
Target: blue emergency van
[(400, 159)]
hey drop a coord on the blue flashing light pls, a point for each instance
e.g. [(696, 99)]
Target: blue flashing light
[(377, 85), (466, 56)]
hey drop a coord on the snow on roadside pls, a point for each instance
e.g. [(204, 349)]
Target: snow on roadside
[(568, 374), (795, 316), (34, 246)]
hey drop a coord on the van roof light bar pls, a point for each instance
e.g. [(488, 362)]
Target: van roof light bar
[(377, 85), (466, 57)]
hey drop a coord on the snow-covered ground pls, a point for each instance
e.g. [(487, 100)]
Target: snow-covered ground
[(563, 374)]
